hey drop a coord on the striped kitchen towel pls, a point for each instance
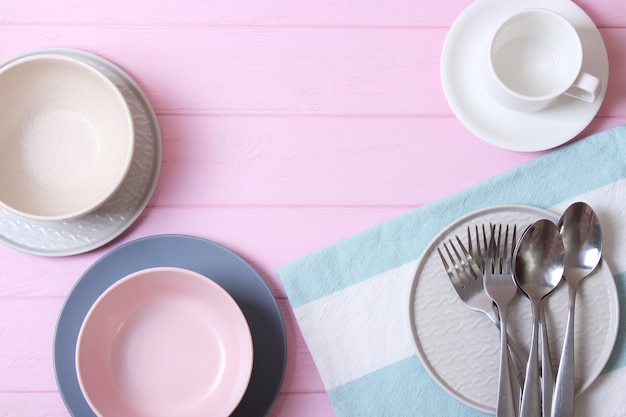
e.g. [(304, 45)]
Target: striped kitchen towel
[(351, 298)]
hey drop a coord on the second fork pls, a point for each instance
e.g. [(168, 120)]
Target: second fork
[(500, 286), (465, 270)]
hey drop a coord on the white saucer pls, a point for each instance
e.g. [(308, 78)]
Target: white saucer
[(88, 232), (460, 348), (465, 47)]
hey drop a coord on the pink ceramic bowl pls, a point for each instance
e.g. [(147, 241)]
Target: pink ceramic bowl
[(164, 342)]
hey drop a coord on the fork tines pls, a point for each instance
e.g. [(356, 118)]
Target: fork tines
[(499, 258), (479, 257), (484, 250), (463, 268)]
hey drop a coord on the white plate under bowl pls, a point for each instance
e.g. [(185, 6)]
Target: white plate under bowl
[(460, 347), (462, 56), (88, 232)]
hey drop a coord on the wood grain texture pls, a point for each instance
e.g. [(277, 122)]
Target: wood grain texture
[(339, 72), (266, 237), (287, 125), (325, 13)]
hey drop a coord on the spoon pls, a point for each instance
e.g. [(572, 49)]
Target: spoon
[(539, 263), (582, 236)]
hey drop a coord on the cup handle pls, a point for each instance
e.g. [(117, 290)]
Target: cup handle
[(586, 88)]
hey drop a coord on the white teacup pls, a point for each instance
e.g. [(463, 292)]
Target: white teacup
[(535, 57)]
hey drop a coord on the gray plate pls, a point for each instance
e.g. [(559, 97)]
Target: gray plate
[(220, 264)]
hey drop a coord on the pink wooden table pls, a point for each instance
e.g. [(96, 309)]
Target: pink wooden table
[(286, 125)]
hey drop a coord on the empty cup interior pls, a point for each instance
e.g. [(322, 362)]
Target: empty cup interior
[(536, 53)]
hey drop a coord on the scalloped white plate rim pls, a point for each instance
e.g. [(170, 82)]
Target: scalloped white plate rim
[(540, 213)]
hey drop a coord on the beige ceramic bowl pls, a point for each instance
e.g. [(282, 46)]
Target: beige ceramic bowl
[(66, 137)]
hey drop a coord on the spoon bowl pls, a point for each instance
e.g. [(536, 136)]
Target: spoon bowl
[(539, 263), (582, 236), (539, 260)]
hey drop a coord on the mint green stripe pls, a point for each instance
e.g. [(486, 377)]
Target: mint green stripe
[(386, 393), (618, 356), (545, 181)]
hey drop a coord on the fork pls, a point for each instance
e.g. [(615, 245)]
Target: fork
[(466, 275), (501, 287)]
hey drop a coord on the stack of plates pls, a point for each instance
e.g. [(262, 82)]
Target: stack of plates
[(254, 356), (224, 267), (123, 207)]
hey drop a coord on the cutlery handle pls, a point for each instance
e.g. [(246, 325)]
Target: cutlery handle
[(517, 354), (518, 358), (506, 400), (547, 373), (563, 400), (531, 395)]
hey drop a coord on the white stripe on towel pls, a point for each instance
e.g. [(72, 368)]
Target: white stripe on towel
[(359, 329)]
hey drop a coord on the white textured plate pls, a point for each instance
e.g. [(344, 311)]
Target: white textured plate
[(460, 347), (463, 52), (70, 237)]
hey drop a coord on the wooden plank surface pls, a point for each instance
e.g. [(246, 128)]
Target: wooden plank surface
[(287, 125)]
